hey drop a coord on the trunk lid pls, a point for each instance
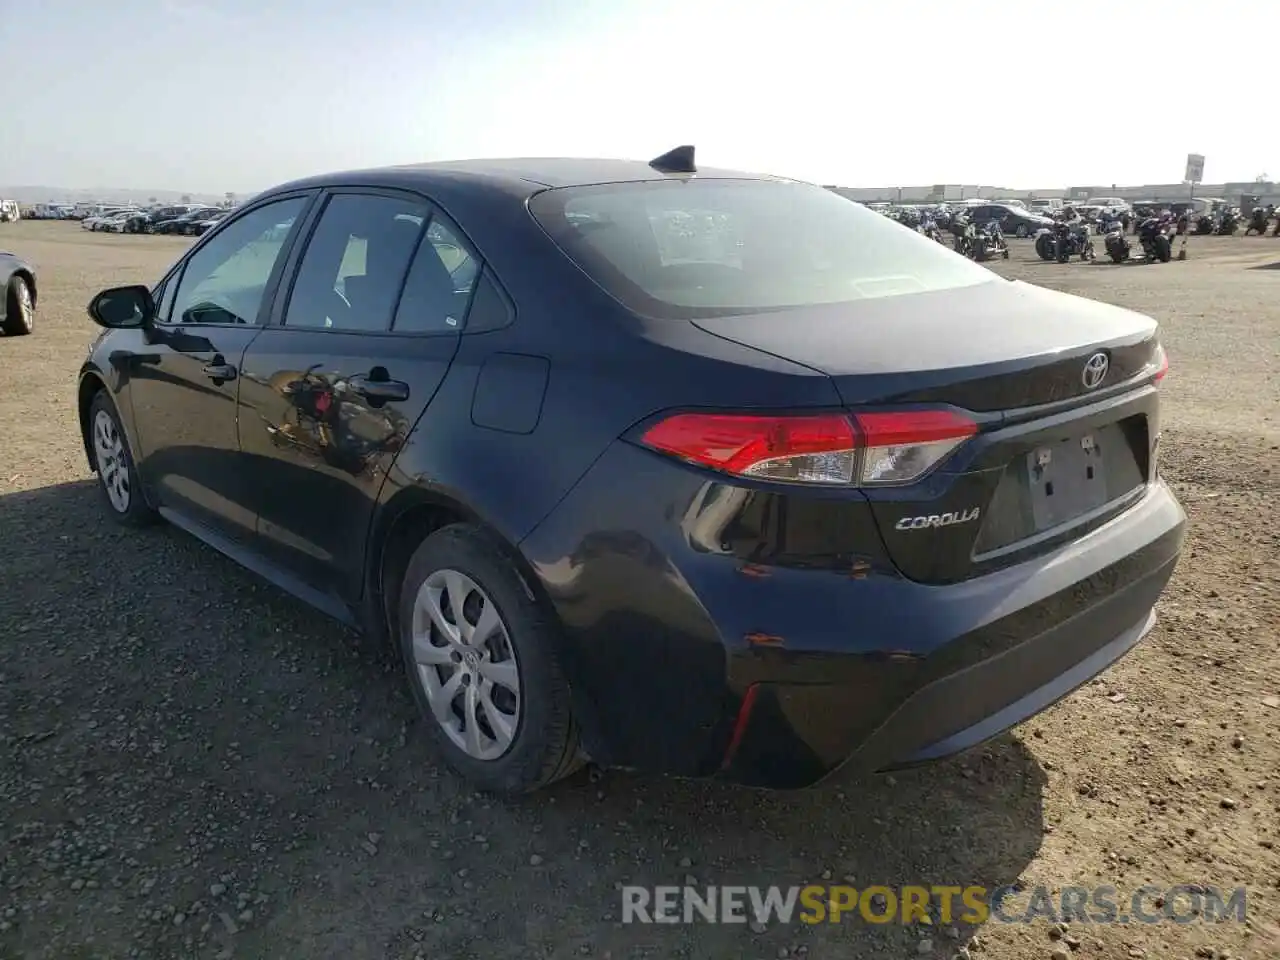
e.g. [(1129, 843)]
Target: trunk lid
[(989, 347)]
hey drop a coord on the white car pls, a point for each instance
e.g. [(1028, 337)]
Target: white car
[(1109, 205), (113, 221)]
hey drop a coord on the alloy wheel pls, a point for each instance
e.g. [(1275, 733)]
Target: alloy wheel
[(466, 664), (113, 469)]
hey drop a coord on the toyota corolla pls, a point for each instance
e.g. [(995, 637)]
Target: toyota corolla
[(676, 469)]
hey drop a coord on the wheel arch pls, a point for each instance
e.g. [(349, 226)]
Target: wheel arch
[(29, 277), (90, 383), (397, 529)]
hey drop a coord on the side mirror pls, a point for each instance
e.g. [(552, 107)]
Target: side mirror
[(123, 307)]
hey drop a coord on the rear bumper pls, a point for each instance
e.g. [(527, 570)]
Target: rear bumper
[(952, 713), (688, 655)]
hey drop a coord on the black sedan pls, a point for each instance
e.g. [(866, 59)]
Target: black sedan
[(17, 295), (681, 470), (1014, 220), (183, 224)]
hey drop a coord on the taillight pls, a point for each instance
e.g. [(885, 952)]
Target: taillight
[(866, 449), (1162, 361), (903, 446)]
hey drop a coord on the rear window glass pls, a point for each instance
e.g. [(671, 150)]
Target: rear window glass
[(683, 249)]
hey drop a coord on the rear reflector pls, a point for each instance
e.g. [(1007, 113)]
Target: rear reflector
[(1162, 359), (867, 449)]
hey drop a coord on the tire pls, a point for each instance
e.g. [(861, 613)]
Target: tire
[(1164, 249), (979, 251), (463, 559), (20, 310), (1044, 247), (113, 462)]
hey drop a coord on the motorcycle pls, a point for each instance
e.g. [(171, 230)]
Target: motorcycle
[(988, 240), (1205, 225), (1064, 240), (1228, 225), (1156, 236), (1117, 244), (929, 227), (965, 233), (1257, 222)]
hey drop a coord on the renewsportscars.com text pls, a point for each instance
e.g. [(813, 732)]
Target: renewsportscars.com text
[(1182, 903)]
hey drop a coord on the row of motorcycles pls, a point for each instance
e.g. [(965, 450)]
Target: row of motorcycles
[(1153, 238), (1225, 222), (1073, 238)]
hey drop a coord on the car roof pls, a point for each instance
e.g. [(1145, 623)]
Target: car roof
[(519, 176)]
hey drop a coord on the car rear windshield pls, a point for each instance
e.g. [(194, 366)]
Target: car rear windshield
[(689, 248)]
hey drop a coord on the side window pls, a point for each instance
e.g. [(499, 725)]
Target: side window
[(164, 297), (355, 263), (225, 280), (490, 309), (439, 284)]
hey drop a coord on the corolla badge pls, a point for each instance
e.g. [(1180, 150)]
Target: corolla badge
[(934, 520), (1095, 371)]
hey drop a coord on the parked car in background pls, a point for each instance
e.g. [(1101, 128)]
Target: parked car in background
[(117, 222), (677, 469), (17, 295), (203, 226), (1014, 221), (1108, 207), (184, 224), (98, 221)]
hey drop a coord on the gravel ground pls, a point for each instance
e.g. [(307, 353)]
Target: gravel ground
[(194, 765)]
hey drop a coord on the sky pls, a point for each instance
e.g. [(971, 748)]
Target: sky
[(238, 95)]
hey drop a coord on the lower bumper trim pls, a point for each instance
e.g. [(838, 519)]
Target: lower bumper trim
[(1037, 700)]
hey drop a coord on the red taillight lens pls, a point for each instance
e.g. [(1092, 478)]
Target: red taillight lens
[(815, 449), (868, 449), (1162, 360)]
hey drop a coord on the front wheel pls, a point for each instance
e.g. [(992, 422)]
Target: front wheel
[(114, 464), (1164, 249), (19, 309), (1044, 247), (481, 655)]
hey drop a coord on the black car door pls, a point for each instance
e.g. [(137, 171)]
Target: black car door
[(361, 338), (184, 373)]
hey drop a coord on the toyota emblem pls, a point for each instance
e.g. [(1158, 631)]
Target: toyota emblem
[(1095, 371)]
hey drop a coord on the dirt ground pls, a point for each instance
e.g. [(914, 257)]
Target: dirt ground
[(195, 765)]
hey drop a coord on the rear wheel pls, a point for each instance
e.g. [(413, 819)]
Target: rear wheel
[(20, 309), (480, 653)]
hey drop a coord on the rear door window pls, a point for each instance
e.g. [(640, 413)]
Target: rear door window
[(702, 248), (355, 263)]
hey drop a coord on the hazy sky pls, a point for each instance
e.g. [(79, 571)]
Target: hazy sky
[(213, 95)]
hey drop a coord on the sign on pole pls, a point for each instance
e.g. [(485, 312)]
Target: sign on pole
[(1195, 168)]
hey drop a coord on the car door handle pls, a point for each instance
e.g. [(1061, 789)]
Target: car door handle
[(379, 390), (219, 370)]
